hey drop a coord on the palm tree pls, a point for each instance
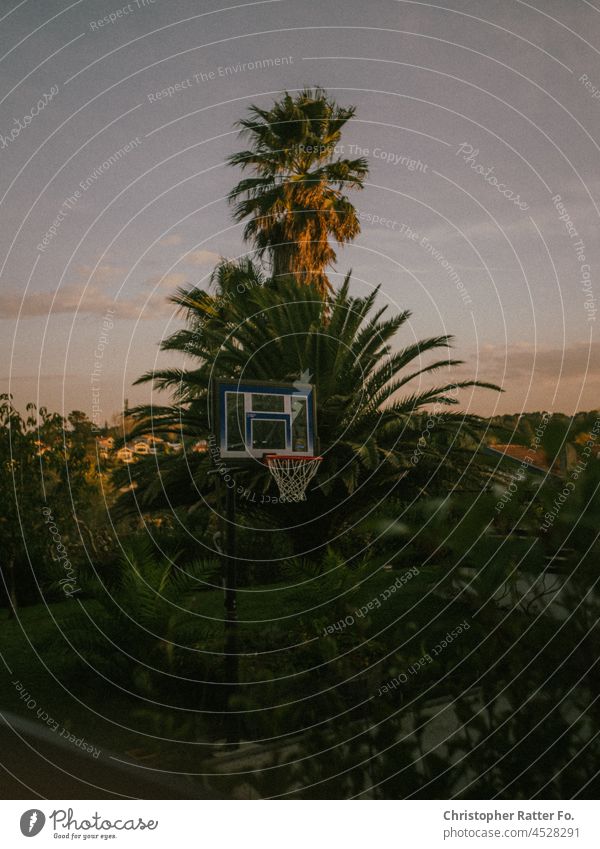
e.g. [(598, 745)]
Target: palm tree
[(369, 419), (295, 199)]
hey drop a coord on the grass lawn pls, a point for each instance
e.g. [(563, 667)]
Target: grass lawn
[(25, 657)]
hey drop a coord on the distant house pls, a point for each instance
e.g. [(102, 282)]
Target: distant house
[(173, 447), (144, 448), (125, 455), (589, 441), (105, 445), (200, 447), (535, 460)]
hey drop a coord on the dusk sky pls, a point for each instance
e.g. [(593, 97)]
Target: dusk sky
[(480, 120)]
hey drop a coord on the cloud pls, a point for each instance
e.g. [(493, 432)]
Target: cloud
[(542, 378), (93, 291), (166, 281), (103, 274), (67, 299), (580, 361), (173, 239), (96, 297), (201, 258)]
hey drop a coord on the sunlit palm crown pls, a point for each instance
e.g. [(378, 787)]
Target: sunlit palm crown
[(295, 199)]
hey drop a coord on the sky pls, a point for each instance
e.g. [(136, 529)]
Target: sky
[(480, 120)]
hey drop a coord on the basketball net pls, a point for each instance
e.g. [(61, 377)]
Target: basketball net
[(292, 474)]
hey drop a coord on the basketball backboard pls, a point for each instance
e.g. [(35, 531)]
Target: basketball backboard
[(255, 419)]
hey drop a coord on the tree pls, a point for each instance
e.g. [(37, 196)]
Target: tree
[(28, 466), (17, 462), (295, 199), (369, 422), (47, 481)]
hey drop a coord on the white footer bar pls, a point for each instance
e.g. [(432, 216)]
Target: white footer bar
[(300, 824)]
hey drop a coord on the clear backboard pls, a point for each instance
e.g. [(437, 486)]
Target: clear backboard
[(253, 420)]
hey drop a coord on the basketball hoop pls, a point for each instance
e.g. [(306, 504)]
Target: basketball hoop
[(292, 474)]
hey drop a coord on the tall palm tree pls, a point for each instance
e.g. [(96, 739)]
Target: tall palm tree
[(295, 199), (369, 422)]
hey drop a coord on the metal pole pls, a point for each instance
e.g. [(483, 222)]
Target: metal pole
[(231, 655)]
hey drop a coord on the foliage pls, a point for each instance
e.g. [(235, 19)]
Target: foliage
[(147, 637), (400, 634), (46, 472), (295, 199), (369, 422), (509, 709)]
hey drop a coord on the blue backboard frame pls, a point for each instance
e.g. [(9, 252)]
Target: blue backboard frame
[(245, 390)]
